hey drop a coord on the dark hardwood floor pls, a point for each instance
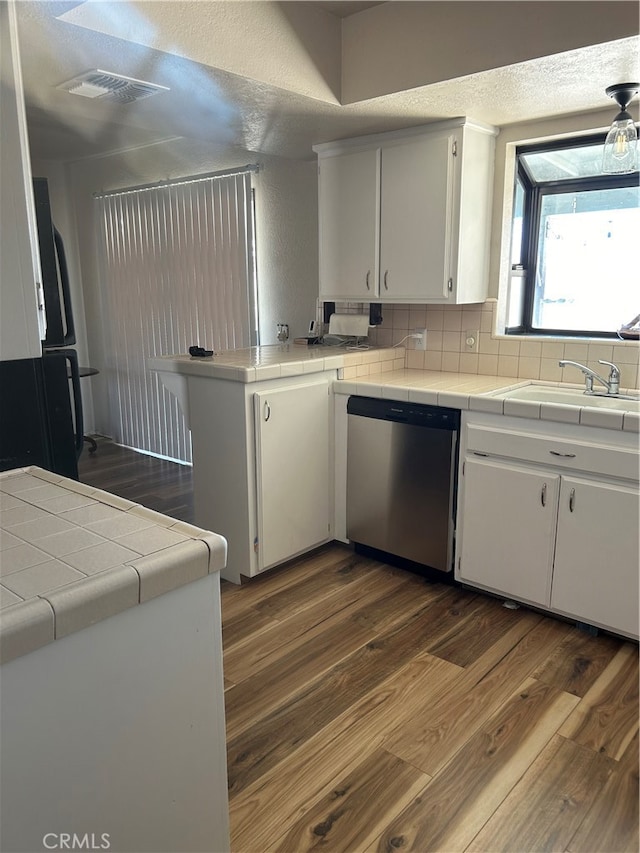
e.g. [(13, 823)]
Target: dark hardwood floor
[(164, 486), (368, 710)]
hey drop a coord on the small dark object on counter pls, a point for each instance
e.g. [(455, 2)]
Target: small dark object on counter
[(199, 352)]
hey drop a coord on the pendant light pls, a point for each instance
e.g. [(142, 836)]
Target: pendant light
[(619, 156)]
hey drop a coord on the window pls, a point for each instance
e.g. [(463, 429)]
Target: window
[(573, 238)]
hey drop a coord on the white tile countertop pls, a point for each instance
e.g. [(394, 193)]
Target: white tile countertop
[(380, 373), (255, 364), (72, 555), (474, 392)]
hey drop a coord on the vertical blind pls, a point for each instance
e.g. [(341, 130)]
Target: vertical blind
[(178, 269)]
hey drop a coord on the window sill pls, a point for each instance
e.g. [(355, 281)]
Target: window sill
[(566, 339)]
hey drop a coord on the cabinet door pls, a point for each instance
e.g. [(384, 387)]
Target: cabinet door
[(595, 576), (416, 219), (292, 465), (507, 522), (349, 205)]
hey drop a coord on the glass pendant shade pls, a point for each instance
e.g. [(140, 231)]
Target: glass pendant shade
[(620, 147)]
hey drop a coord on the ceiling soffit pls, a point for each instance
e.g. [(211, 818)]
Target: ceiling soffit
[(385, 49), (343, 8), (293, 46), (400, 46), (239, 107)]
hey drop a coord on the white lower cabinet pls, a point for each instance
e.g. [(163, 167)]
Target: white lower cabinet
[(261, 474), (596, 562), (292, 470), (509, 526), (542, 534)]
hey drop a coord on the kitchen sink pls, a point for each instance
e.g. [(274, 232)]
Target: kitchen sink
[(540, 393)]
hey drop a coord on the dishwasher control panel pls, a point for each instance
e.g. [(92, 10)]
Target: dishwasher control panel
[(416, 414)]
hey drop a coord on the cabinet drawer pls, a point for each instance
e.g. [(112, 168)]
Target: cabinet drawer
[(564, 453)]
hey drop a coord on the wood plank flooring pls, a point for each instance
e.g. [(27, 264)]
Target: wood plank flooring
[(161, 485), (368, 710), (449, 724)]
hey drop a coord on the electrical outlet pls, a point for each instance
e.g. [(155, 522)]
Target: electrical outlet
[(471, 341), (421, 342), (283, 332)]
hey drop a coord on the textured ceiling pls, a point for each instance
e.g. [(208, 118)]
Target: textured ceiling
[(344, 8), (230, 107)]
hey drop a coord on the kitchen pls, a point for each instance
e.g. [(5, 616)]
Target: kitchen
[(288, 188)]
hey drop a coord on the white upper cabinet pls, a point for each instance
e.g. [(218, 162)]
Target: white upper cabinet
[(415, 219), (405, 216), (349, 215)]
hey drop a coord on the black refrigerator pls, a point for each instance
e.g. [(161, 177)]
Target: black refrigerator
[(40, 399)]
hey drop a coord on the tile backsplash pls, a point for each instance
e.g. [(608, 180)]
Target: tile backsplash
[(496, 355)]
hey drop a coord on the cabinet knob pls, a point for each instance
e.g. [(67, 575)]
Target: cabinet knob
[(386, 273), (563, 455), (367, 279), (543, 495), (572, 499), (267, 411)]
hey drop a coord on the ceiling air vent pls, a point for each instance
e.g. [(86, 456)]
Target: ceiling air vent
[(115, 88)]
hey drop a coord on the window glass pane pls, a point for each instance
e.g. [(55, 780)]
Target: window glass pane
[(585, 277), (563, 164)]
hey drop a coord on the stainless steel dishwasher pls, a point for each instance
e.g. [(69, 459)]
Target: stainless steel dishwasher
[(401, 474)]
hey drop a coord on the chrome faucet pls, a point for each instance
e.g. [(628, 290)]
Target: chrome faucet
[(612, 384)]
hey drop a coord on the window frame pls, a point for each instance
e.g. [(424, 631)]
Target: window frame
[(534, 192)]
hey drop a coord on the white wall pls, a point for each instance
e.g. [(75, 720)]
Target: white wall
[(287, 240), (286, 233)]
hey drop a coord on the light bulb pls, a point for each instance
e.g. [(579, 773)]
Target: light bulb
[(619, 155), (620, 144)]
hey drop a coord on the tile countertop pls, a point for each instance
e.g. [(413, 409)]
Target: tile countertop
[(255, 364), (72, 555), (470, 391), (457, 390)]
